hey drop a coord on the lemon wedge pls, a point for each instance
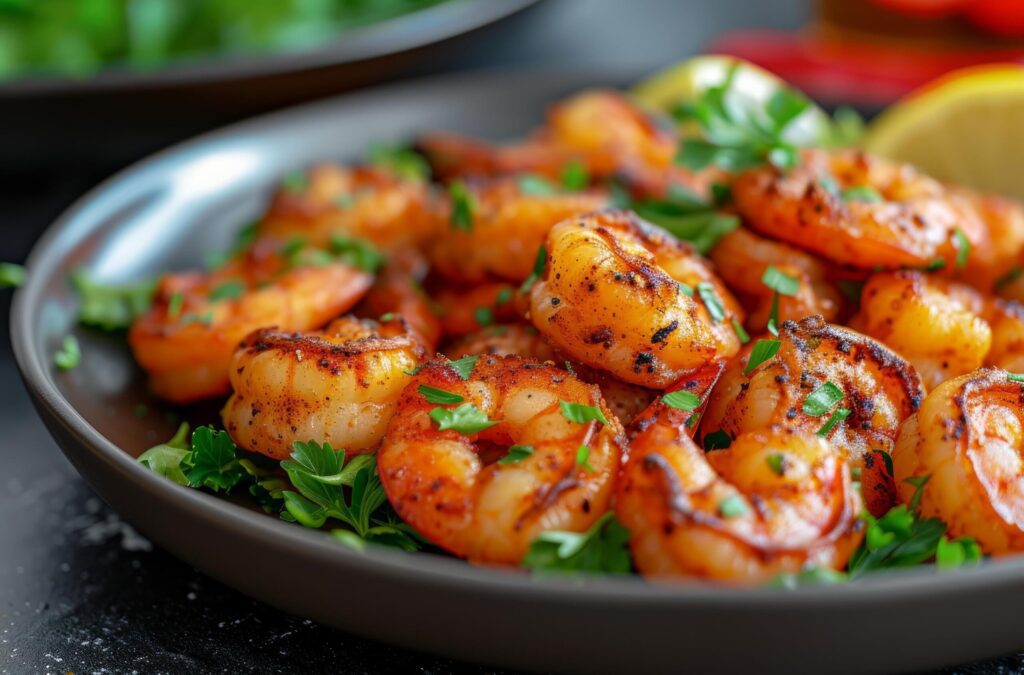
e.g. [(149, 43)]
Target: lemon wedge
[(688, 80), (966, 127)]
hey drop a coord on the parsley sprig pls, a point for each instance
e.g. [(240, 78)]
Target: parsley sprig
[(683, 215), (111, 307), (326, 486), (738, 131), (602, 548)]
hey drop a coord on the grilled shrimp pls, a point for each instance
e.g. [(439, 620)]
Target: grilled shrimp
[(933, 323), (446, 484), (507, 226), (598, 128), (968, 436), (338, 386), (915, 222), (1000, 251), (1007, 322), (465, 311), (616, 296), (366, 203), (879, 390), (741, 258), (775, 501), (186, 339), (502, 340), (397, 293)]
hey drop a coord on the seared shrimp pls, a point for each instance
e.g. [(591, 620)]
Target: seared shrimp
[(968, 437), (933, 323), (440, 481), (623, 296), (467, 310), (186, 339), (915, 221), (506, 228), (337, 386), (366, 203), (775, 501), (741, 258), (397, 293), (878, 388), (515, 339)]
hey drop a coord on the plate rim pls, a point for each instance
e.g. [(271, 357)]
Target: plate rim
[(44, 264)]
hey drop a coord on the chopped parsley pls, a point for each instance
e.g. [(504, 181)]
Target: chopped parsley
[(963, 248), (861, 193), (777, 463), (601, 549), (462, 206), (707, 294), (229, 290), (464, 367), (400, 160), (516, 454), (111, 307), (741, 332), (685, 216), (575, 176), (69, 355), (781, 284), (583, 458), (837, 417), (539, 263), (1010, 276), (822, 399), (763, 351), (357, 253), (581, 414), (438, 396), (484, 316), (681, 400), (536, 186), (732, 506), (466, 419)]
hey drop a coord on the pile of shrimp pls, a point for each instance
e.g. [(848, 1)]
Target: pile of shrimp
[(738, 429)]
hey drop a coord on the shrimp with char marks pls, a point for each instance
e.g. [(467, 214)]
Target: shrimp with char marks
[(775, 501), (968, 439), (337, 386), (186, 339), (623, 296), (447, 484), (877, 389)]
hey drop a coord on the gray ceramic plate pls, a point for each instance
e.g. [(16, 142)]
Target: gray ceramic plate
[(167, 211)]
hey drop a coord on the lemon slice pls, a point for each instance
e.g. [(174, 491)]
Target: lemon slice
[(686, 81), (966, 127)]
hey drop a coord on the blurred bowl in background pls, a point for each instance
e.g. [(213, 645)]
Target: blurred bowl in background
[(117, 114)]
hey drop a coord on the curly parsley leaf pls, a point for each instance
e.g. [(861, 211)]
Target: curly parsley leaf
[(167, 458), (111, 307), (686, 217), (902, 538), (214, 462), (603, 548)]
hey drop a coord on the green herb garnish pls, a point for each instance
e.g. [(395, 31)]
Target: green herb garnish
[(822, 399), (601, 549), (69, 355), (763, 350), (581, 414), (466, 419), (462, 206), (438, 396), (681, 400), (516, 454), (11, 275)]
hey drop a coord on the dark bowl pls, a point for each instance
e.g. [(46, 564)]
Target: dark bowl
[(120, 114), (166, 212)]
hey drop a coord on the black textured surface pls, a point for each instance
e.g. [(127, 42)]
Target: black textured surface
[(81, 591)]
